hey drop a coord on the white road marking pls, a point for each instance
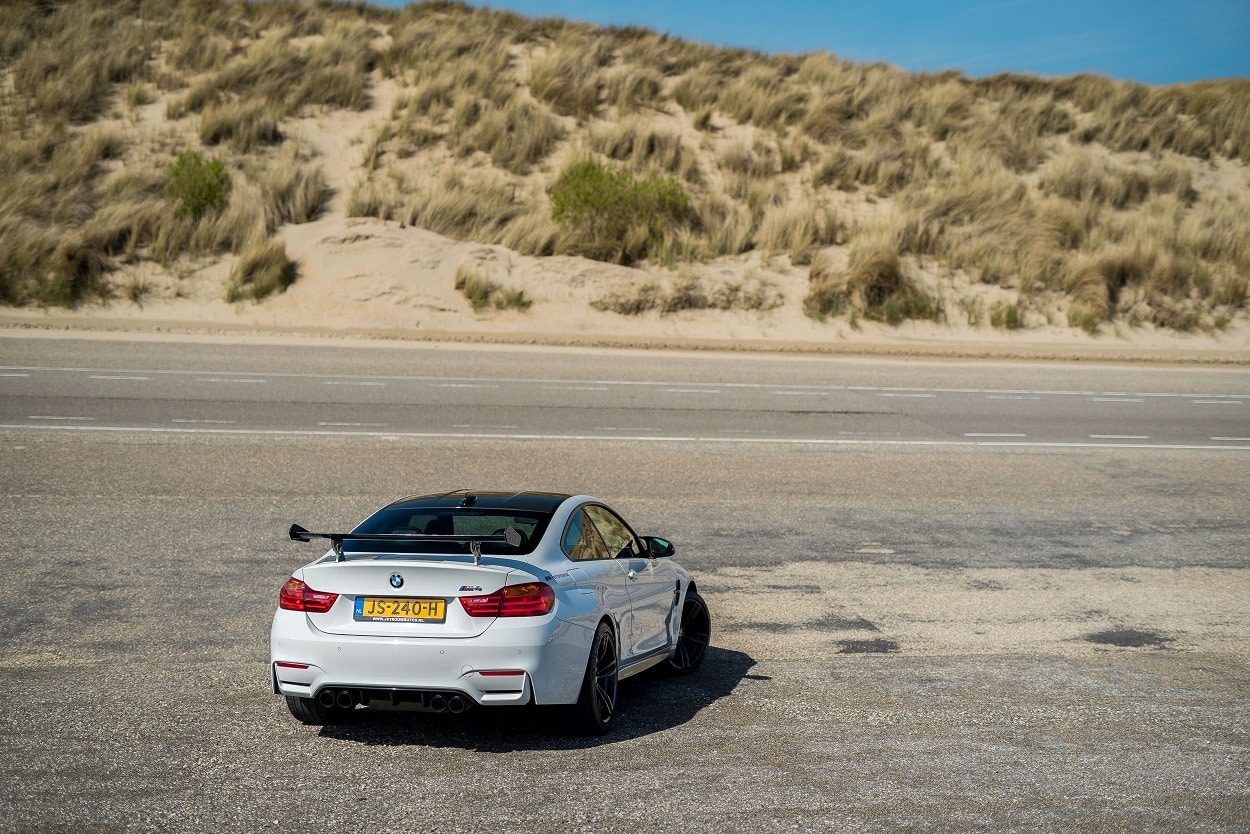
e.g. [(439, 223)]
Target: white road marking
[(801, 393), (357, 425), (691, 391), (205, 422), (1234, 439), (1010, 397), (131, 378), (575, 388), (483, 426), (55, 417), (1216, 402), (1119, 437), (992, 434), (1115, 400), (225, 379), (16, 375), (352, 382), (621, 428), (913, 396), (787, 441), (462, 385)]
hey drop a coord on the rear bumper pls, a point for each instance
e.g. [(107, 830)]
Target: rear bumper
[(550, 653)]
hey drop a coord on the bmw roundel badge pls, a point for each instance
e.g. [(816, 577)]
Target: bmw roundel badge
[(397, 581)]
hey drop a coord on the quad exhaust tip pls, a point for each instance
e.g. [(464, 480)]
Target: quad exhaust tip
[(436, 702), (342, 698)]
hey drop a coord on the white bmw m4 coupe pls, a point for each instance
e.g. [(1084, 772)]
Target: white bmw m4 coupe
[(447, 602)]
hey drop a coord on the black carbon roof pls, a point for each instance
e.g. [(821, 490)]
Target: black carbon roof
[(542, 502)]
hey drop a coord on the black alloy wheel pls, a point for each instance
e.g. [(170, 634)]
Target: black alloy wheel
[(596, 703), (696, 634)]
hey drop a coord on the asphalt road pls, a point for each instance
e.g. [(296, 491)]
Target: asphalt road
[(947, 596), (100, 386)]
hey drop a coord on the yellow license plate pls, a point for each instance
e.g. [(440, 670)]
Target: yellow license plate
[(401, 610)]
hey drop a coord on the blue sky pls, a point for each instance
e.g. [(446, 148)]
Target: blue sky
[(1150, 41)]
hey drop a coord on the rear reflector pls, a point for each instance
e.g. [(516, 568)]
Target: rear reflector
[(533, 599), (296, 596), (500, 673), (285, 665)]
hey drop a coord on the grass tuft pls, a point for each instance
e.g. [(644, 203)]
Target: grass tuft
[(483, 293), (262, 269), (690, 292), (245, 127), (873, 286), (1006, 316)]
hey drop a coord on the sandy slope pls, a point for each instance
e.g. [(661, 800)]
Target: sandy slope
[(363, 277)]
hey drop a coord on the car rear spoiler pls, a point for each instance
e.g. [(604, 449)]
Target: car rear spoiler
[(510, 536)]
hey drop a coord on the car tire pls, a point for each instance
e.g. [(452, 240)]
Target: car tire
[(696, 636), (308, 711), (596, 703)]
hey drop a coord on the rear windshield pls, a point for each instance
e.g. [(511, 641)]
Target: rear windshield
[(459, 521)]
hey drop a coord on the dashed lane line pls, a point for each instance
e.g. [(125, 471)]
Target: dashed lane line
[(236, 380)]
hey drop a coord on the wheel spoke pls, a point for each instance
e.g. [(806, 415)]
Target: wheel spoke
[(683, 652), (603, 703)]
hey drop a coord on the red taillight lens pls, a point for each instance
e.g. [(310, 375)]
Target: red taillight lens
[(532, 599), (296, 596)]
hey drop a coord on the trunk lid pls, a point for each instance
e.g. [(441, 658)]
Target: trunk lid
[(367, 587)]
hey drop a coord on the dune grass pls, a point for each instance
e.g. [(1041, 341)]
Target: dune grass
[(874, 285), (262, 269), (482, 293), (692, 292), (1110, 196)]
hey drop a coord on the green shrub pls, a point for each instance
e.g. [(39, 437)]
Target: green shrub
[(611, 214), (198, 184)]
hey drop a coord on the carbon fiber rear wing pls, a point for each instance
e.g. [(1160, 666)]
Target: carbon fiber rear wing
[(509, 536)]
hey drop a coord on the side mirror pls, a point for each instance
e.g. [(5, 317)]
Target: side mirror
[(659, 548)]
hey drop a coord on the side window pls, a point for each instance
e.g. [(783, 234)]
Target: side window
[(581, 541), (620, 542)]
